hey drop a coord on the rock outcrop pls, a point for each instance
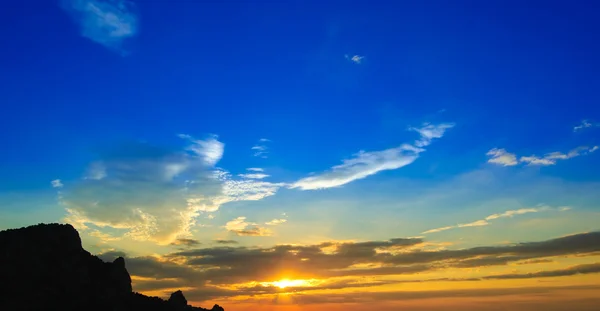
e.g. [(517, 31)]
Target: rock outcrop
[(44, 267)]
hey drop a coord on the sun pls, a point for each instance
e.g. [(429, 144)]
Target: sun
[(290, 283)]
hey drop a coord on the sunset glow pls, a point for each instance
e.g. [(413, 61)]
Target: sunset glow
[(314, 155)]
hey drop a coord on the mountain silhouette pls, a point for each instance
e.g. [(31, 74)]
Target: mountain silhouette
[(44, 267)]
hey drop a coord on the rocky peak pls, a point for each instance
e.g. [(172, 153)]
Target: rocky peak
[(44, 267)]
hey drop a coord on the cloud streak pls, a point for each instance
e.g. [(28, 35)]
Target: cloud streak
[(507, 214), (364, 164), (106, 22), (504, 158)]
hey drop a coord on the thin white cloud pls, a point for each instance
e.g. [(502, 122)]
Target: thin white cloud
[(255, 169), (241, 227), (254, 176), (502, 157), (56, 183), (276, 222), (552, 157), (210, 149), (364, 164), (429, 132), (261, 149), (507, 214), (108, 22), (357, 59), (585, 124)]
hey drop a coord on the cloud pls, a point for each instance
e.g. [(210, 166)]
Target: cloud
[(552, 157), (241, 227), (260, 149), (223, 271), (156, 194), (430, 132), (275, 222), (226, 242), (185, 242), (357, 59), (502, 157), (585, 124), (56, 183), (364, 164), (254, 176), (106, 22), (371, 258), (210, 149), (255, 169), (574, 270), (507, 214)]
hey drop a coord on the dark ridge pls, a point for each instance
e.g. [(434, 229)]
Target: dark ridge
[(44, 267)]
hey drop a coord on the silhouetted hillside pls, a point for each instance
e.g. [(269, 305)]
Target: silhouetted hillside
[(44, 267)]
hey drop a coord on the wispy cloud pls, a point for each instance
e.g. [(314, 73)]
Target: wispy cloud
[(261, 149), (56, 183), (241, 227), (552, 157), (504, 158), (276, 222), (255, 169), (103, 21), (364, 164), (254, 176), (429, 132), (210, 149), (357, 59), (507, 214), (585, 124)]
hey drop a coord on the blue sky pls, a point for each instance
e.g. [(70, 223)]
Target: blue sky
[(143, 122)]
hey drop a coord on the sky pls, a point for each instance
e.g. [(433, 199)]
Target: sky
[(301, 155)]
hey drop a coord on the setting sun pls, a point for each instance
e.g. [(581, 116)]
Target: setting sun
[(290, 283)]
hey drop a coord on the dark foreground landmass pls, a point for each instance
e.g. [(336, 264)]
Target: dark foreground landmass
[(44, 267)]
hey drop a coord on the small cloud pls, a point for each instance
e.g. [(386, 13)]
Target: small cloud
[(552, 157), (210, 149), (357, 59), (429, 132), (276, 222), (226, 242), (254, 176), (56, 183), (502, 157), (241, 227), (106, 22), (255, 169), (585, 124), (260, 149), (186, 242)]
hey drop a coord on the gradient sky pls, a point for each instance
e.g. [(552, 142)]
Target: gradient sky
[(300, 155)]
